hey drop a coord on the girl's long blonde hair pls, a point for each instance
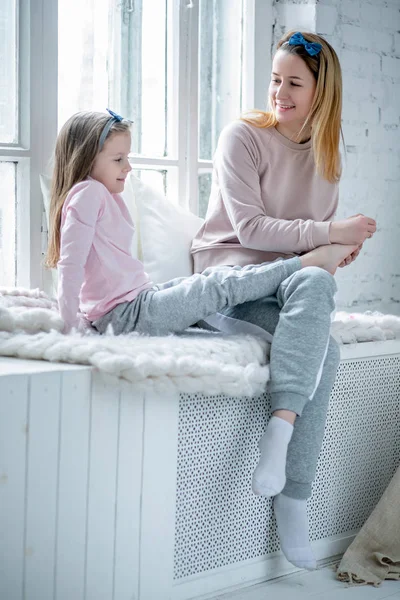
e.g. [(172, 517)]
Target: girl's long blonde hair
[(326, 110), (76, 149)]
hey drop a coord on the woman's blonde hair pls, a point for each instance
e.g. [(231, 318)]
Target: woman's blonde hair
[(76, 149), (326, 110)]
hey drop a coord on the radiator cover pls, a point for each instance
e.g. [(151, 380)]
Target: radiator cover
[(220, 522)]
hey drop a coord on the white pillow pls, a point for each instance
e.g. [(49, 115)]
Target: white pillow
[(129, 198), (45, 184), (166, 232), (50, 279)]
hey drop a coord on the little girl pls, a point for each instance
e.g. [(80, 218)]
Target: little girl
[(274, 196), (90, 239)]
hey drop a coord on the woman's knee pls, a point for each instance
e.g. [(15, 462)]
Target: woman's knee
[(311, 282), (317, 279)]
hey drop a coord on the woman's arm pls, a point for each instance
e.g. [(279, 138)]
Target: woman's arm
[(236, 162)]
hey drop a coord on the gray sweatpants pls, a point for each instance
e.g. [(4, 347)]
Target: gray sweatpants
[(293, 304), (174, 306), (303, 362)]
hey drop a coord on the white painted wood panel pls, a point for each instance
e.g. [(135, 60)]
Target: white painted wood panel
[(158, 496), (42, 485), (13, 442), (102, 491), (73, 485), (126, 583)]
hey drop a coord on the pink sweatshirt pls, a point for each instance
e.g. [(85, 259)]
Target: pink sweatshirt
[(96, 270), (267, 200)]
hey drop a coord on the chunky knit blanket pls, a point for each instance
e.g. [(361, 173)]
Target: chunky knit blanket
[(198, 361), (30, 327)]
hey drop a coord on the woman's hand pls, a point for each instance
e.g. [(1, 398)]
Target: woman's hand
[(354, 230), (351, 258)]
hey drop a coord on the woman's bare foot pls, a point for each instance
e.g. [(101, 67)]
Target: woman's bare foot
[(327, 257)]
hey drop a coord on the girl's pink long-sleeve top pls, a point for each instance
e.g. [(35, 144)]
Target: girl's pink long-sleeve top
[(96, 269)]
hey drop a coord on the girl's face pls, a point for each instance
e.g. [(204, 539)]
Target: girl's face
[(111, 165), (291, 92)]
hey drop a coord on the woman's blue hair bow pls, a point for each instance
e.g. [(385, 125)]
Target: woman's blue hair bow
[(312, 48)]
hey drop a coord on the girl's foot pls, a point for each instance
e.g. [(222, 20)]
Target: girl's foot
[(327, 257)]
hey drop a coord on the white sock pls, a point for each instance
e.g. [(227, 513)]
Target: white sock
[(269, 477), (292, 521)]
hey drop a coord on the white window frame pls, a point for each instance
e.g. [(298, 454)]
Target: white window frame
[(38, 82), (184, 98), (37, 91)]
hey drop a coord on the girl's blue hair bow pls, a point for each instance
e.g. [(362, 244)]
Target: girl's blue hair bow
[(312, 48), (115, 118)]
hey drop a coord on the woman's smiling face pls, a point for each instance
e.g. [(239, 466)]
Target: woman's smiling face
[(291, 92)]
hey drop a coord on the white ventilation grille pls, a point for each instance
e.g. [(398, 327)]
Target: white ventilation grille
[(218, 519)]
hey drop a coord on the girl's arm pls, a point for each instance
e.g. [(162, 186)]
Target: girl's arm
[(236, 164), (81, 209)]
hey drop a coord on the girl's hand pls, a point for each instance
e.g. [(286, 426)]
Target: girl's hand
[(354, 230), (351, 258), (84, 324), (80, 325)]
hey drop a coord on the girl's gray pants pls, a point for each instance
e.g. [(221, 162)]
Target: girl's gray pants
[(174, 306)]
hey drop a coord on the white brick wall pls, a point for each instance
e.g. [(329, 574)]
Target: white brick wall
[(366, 36)]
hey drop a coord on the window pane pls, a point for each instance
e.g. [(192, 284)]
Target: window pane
[(7, 225), (163, 180), (117, 60), (84, 70), (8, 72), (220, 69), (204, 192), (146, 71)]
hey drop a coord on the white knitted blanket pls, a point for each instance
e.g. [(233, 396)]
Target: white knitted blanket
[(30, 327)]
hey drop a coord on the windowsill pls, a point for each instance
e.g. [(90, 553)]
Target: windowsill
[(369, 349), (18, 366)]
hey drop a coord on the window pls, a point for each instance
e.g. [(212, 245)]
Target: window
[(8, 73), (7, 223), (28, 50), (178, 69), (9, 136)]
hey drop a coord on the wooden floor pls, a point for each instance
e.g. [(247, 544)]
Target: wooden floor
[(317, 585)]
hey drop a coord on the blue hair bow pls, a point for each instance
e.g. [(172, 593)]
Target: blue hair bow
[(312, 48), (115, 118), (114, 115)]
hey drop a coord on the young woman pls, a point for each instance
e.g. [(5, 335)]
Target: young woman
[(274, 196)]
